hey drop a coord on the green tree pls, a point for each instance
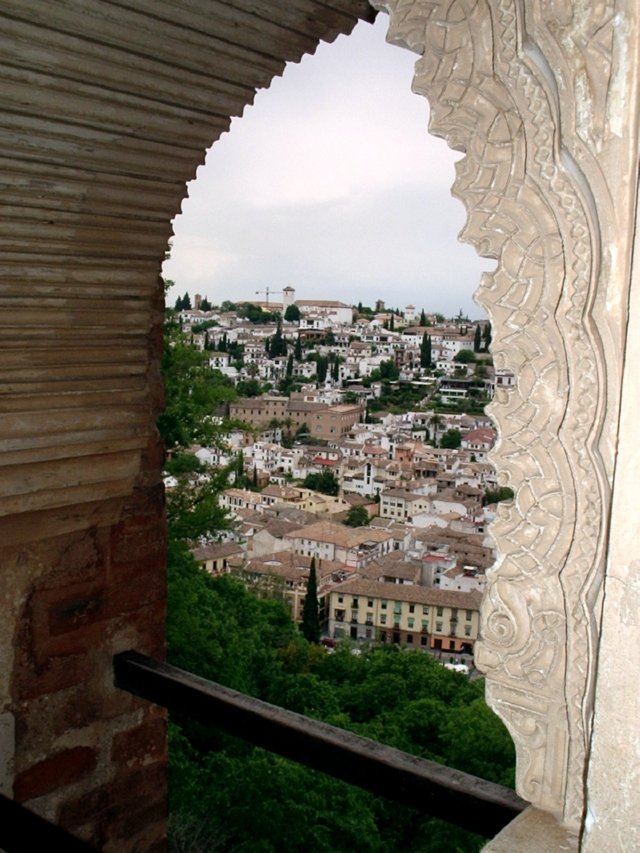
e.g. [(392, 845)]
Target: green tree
[(310, 612), (389, 370), (477, 339), (238, 469), (183, 463), (335, 369), (292, 314), (465, 356), (249, 388), (503, 493), (192, 391), (205, 305), (297, 350), (357, 517), (423, 318), (289, 371), (325, 482), (322, 366), (486, 336), (277, 345), (425, 351), (451, 439)]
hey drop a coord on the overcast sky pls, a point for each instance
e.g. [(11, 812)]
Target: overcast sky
[(331, 184)]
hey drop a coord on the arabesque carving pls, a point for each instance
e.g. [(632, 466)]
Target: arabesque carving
[(493, 91)]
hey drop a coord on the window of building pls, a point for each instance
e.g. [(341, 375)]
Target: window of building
[(439, 627), (410, 622), (467, 630), (354, 603), (439, 611), (410, 638), (397, 607), (469, 615), (412, 608), (423, 641), (383, 619)]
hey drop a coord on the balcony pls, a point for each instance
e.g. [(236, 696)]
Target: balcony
[(467, 801)]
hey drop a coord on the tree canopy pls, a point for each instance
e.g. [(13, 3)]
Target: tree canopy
[(243, 798), (451, 439), (193, 392), (325, 482), (465, 356), (357, 517), (292, 313)]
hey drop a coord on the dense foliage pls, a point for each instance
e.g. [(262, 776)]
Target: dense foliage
[(236, 797), (192, 392), (356, 517), (325, 482)]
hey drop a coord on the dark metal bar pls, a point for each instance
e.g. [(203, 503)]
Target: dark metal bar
[(464, 800), (22, 829)]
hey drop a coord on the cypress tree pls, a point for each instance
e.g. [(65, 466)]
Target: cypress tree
[(477, 340), (423, 318), (486, 335), (310, 612), (425, 351), (297, 351)]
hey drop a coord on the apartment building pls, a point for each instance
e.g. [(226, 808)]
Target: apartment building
[(423, 617), (353, 547), (323, 421)]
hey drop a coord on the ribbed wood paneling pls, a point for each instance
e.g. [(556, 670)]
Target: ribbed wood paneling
[(107, 109)]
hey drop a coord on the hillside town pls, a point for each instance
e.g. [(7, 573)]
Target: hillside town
[(357, 446)]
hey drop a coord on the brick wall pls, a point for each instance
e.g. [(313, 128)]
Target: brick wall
[(88, 756)]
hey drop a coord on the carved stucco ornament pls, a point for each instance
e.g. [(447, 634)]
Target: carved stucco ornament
[(494, 91)]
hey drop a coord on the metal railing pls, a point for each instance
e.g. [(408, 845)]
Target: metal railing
[(462, 799)]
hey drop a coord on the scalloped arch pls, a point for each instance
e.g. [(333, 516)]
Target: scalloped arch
[(493, 85)]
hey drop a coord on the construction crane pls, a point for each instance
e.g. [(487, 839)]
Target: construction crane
[(267, 292)]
